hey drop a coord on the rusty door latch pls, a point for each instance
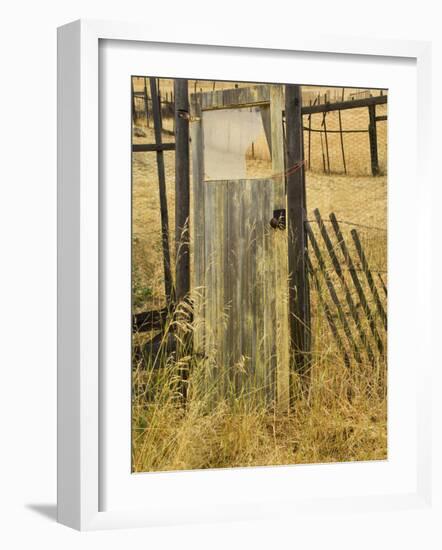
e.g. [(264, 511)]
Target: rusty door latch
[(279, 219)]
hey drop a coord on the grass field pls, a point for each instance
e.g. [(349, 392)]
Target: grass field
[(342, 416)]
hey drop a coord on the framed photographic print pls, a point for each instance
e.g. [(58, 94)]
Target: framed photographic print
[(233, 293)]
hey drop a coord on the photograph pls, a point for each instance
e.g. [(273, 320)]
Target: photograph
[(259, 273), (221, 288)]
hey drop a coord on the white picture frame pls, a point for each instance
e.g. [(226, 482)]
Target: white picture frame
[(81, 444)]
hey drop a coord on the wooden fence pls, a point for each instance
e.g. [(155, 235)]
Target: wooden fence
[(143, 104), (351, 293)]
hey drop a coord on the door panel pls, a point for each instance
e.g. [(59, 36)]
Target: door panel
[(240, 272), (240, 287)]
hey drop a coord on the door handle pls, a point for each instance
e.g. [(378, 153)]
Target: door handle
[(279, 219)]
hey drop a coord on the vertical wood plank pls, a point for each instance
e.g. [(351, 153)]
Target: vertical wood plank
[(227, 290), (218, 302), (270, 343), (210, 313), (255, 289), (198, 223), (247, 284), (235, 262), (277, 139), (280, 249), (257, 262)]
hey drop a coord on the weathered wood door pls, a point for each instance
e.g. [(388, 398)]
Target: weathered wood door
[(240, 274)]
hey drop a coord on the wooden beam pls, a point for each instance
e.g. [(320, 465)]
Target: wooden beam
[(149, 147), (279, 243), (149, 320), (324, 124), (373, 137), (146, 101), (343, 105), (133, 100), (182, 193), (260, 95), (296, 216), (310, 140), (198, 223), (236, 97), (168, 282), (341, 135), (265, 117), (277, 140), (182, 213)]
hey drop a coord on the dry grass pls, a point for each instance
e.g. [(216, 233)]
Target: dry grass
[(342, 417)]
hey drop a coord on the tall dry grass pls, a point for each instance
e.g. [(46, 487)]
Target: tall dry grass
[(342, 416)]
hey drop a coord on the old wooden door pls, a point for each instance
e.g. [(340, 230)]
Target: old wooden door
[(240, 274)]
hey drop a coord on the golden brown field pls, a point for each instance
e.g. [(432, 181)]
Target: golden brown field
[(343, 415)]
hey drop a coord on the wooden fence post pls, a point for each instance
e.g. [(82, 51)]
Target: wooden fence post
[(310, 139), (342, 135), (373, 136), (133, 100), (182, 196), (279, 240), (168, 282), (182, 210), (324, 124), (296, 215), (146, 102)]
